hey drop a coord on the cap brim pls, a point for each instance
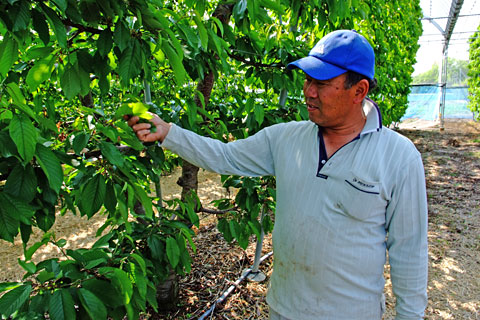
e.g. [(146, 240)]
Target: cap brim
[(316, 68)]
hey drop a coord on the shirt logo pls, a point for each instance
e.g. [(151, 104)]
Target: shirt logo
[(363, 184), (367, 187)]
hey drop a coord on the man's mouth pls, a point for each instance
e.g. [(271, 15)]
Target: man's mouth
[(311, 107)]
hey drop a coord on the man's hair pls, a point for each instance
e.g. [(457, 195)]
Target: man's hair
[(354, 77)]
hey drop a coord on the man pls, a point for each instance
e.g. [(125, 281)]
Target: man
[(348, 189)]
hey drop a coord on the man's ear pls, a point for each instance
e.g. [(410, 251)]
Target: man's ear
[(361, 90)]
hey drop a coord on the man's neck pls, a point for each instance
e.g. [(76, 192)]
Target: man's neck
[(338, 136)]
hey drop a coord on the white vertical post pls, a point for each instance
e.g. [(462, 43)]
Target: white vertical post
[(443, 87), (255, 274)]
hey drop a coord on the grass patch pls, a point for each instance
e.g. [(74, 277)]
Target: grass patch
[(475, 154)]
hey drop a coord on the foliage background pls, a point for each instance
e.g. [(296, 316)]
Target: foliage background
[(474, 73)]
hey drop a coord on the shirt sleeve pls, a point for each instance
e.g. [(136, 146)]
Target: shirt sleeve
[(407, 246), (246, 157)]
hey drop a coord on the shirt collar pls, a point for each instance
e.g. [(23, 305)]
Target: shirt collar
[(374, 118)]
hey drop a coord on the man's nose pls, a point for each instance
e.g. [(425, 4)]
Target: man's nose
[(310, 90)]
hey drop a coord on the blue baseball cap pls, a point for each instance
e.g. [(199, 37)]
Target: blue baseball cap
[(336, 53)]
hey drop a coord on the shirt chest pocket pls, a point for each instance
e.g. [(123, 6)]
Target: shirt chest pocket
[(360, 199)]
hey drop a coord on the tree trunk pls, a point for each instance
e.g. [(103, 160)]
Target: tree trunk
[(189, 179), (167, 293)]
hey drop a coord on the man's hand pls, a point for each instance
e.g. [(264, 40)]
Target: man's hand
[(143, 130)]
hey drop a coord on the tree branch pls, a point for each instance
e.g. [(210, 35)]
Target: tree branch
[(211, 211), (81, 28), (252, 63)]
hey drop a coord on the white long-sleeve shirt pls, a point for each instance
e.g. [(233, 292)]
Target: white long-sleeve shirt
[(335, 218)]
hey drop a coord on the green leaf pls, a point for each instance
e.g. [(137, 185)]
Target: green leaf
[(16, 207), (30, 251), (93, 195), (40, 25), (57, 26), (121, 35), (105, 291), (25, 232), (70, 82), (130, 63), (45, 217), (19, 100), (8, 223), (6, 286), (105, 42), (7, 146), (84, 80), (61, 243), (255, 226), (22, 182), (202, 31), (235, 229), (253, 8), (27, 266), (138, 109), (190, 35), (141, 285), (61, 305), (152, 296), (110, 197), (120, 280), (40, 72), (187, 235), (111, 153), (156, 246), (75, 80), (224, 228), (92, 304), (259, 113), (273, 5), (24, 134), (140, 261), (145, 200), (103, 241), (193, 216), (20, 14), (176, 63), (75, 254), (8, 54), (173, 251), (80, 142), (51, 166), (14, 299), (61, 4), (16, 94)]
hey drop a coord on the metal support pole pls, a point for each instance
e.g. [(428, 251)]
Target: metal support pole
[(255, 274), (443, 88), (147, 92)]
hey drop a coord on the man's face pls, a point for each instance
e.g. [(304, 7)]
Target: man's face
[(328, 102)]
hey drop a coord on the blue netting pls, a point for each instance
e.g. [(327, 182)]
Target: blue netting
[(424, 101)]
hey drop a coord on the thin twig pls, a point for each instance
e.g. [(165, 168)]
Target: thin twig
[(211, 211)]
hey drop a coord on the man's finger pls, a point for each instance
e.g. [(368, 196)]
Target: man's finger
[(132, 120), (141, 126), (142, 134)]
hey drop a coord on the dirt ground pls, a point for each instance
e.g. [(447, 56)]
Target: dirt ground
[(452, 164)]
